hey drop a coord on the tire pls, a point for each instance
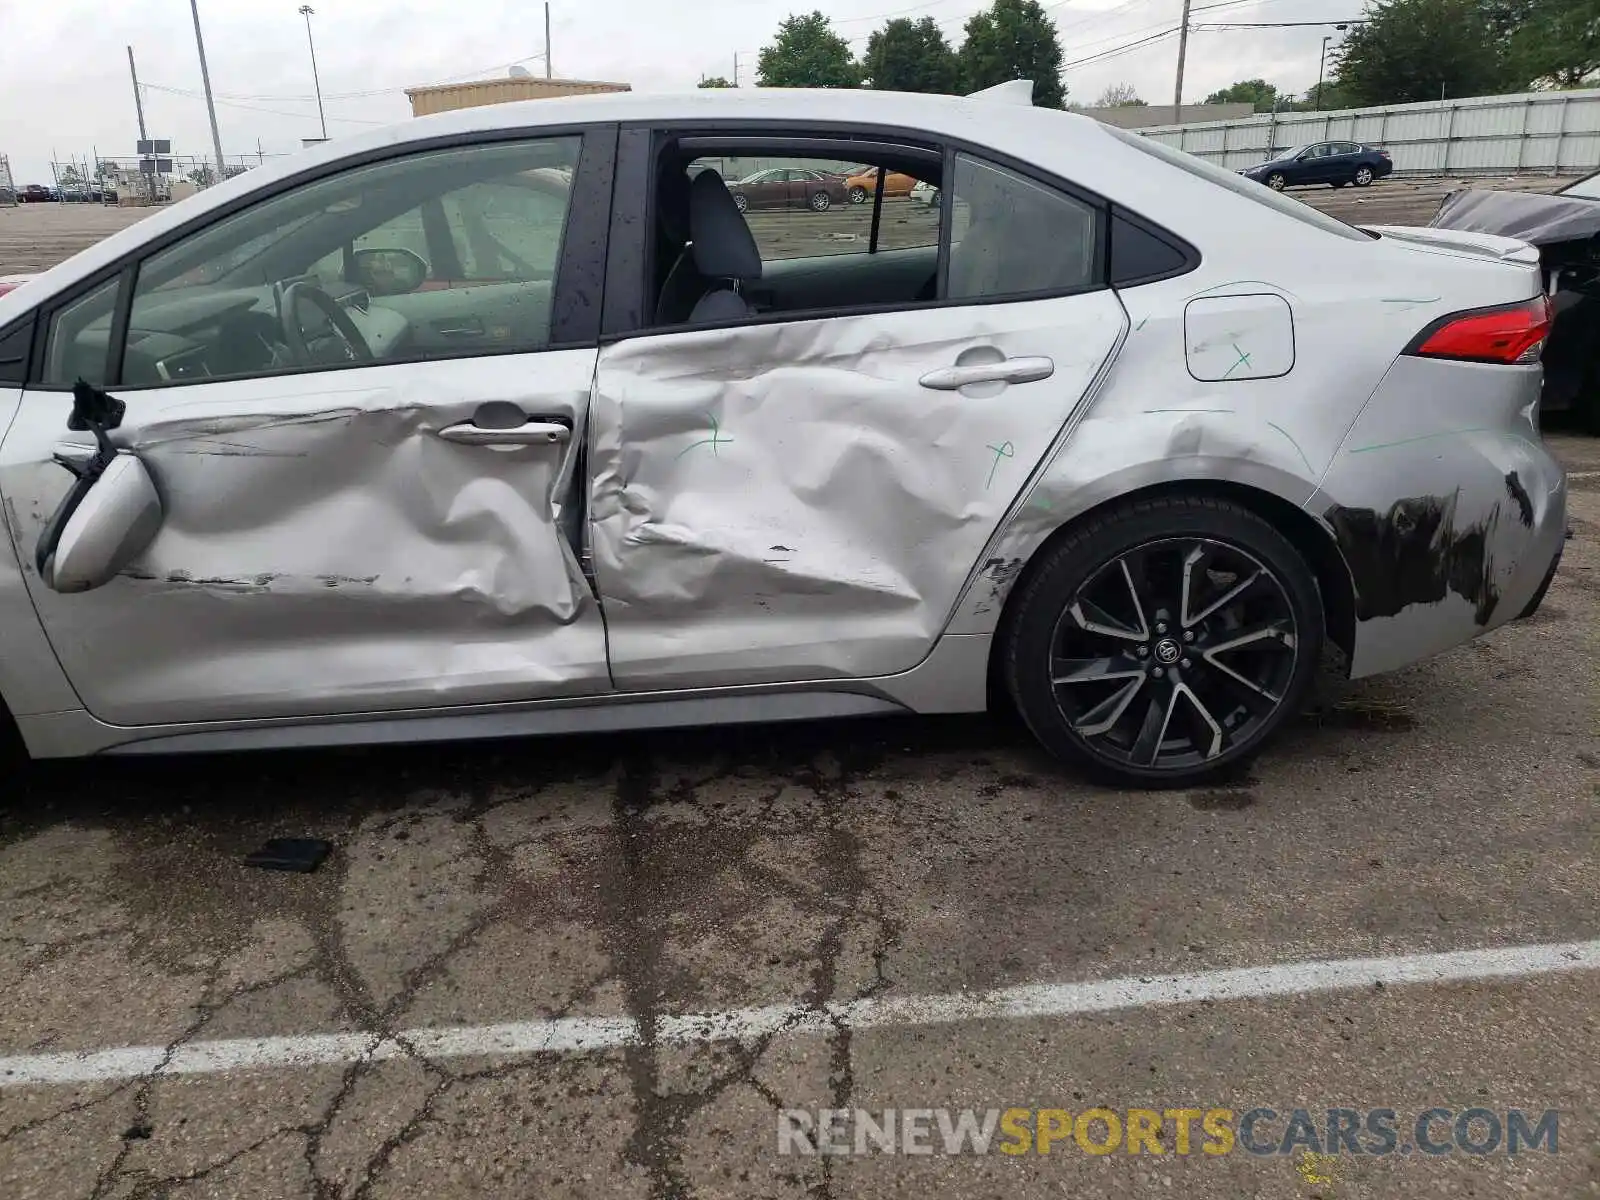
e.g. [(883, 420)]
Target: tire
[(1276, 181), (1363, 176), (858, 195), (821, 202), (740, 202), (1226, 699)]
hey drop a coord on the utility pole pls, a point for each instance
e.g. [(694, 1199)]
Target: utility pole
[(1183, 50), (205, 81), (306, 11), (547, 67), (735, 68), (138, 107), (1322, 61)]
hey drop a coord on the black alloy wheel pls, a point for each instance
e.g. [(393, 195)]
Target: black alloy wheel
[(1158, 650)]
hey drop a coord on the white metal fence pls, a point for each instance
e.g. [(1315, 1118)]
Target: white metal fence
[(8, 187), (1553, 132)]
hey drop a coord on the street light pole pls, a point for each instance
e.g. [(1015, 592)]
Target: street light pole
[(1321, 63), (205, 82), (306, 11)]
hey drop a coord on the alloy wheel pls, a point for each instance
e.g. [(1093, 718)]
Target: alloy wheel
[(1174, 653), (1363, 176), (741, 203), (1276, 182), (820, 202), (858, 195)]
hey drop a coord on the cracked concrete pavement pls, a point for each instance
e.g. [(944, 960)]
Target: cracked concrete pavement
[(1448, 806)]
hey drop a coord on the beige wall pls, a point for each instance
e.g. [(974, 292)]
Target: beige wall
[(451, 96)]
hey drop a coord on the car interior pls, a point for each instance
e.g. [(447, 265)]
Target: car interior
[(436, 257), (710, 264)]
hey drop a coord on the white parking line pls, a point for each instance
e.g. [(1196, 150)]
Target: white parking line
[(582, 1035)]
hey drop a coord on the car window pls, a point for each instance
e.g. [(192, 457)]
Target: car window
[(829, 217), (80, 334), (397, 251), (1012, 236)]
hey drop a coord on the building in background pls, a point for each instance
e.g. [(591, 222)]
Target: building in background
[(447, 97)]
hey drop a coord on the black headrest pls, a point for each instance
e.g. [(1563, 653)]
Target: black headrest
[(724, 248)]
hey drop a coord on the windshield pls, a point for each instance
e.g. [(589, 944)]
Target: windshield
[(1297, 151), (1587, 188), (1239, 185)]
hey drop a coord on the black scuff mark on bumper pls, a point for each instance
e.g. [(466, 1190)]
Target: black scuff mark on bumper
[(999, 574), (1519, 495), (1415, 553)]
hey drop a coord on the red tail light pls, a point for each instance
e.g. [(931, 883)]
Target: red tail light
[(1383, 153), (1507, 335)]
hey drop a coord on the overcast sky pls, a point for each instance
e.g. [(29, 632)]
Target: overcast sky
[(65, 91)]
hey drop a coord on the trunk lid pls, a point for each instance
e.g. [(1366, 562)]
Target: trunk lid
[(1483, 246)]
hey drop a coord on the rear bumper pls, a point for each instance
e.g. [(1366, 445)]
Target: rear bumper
[(1448, 510)]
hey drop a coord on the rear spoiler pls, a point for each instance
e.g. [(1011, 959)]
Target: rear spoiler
[(1014, 91)]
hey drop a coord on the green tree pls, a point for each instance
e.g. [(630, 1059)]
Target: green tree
[(1412, 50), (1550, 43), (911, 56), (715, 81), (1013, 40), (1257, 92), (1331, 96), (807, 53)]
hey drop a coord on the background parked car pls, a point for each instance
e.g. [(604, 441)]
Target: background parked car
[(1333, 163), (789, 187), (865, 181), (37, 193), (925, 193)]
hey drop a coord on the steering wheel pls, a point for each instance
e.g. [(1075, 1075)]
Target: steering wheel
[(356, 348)]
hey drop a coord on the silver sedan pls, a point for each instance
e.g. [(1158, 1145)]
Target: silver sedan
[(507, 422)]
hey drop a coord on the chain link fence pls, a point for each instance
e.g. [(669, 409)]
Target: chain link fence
[(8, 186), (125, 182)]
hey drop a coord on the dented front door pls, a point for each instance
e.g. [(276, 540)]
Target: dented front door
[(806, 499), (376, 539)]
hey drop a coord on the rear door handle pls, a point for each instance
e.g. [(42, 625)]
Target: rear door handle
[(1010, 370), (534, 433)]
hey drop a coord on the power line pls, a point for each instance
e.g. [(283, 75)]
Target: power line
[(277, 112)]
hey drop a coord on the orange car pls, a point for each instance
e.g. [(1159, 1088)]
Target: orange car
[(862, 184)]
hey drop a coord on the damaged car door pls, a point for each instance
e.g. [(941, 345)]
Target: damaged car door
[(797, 495), (355, 516)]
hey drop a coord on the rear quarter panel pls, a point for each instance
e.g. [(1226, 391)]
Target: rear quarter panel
[(1355, 304)]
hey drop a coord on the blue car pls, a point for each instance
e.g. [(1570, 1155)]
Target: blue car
[(1332, 163)]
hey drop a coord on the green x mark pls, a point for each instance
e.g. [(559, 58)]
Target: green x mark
[(1244, 361), (716, 439)]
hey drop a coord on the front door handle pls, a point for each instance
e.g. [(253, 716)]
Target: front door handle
[(1009, 370), (533, 433)]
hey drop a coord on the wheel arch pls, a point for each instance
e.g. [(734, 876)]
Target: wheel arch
[(1308, 536)]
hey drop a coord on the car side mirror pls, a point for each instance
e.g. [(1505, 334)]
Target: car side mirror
[(390, 272), (101, 525)]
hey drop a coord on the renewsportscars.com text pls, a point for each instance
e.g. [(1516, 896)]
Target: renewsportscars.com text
[(1261, 1131)]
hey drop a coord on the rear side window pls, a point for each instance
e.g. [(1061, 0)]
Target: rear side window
[(1012, 236), (1139, 255)]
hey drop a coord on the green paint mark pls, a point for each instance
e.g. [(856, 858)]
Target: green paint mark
[(1140, 325), (716, 439), (1148, 411), (1003, 450), (1295, 444), (1238, 283), (1411, 300), (1425, 437), (1244, 361)]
